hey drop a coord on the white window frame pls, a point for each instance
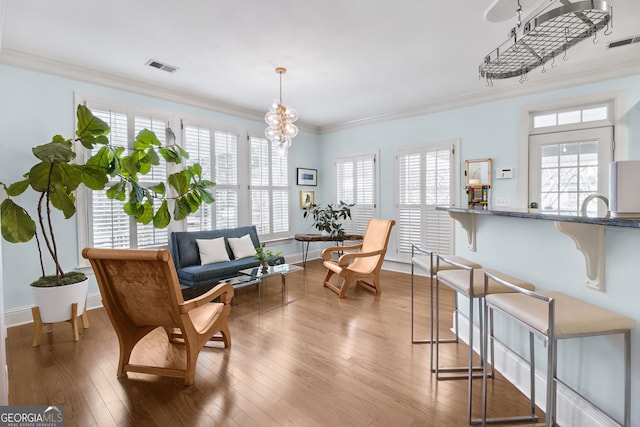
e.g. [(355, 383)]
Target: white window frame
[(271, 187), (617, 99), (360, 215), (454, 146)]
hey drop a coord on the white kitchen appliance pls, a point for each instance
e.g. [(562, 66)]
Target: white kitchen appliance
[(624, 189)]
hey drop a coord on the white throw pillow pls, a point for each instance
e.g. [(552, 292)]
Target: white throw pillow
[(242, 247), (212, 250)]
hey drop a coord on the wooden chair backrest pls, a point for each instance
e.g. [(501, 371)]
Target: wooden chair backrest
[(375, 238), (140, 286)]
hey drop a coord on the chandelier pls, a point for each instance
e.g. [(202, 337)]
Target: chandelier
[(546, 35), (280, 119)]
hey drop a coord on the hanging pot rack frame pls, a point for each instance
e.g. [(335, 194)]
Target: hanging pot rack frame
[(544, 37)]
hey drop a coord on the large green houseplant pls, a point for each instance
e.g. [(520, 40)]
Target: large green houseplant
[(55, 178), (327, 218)]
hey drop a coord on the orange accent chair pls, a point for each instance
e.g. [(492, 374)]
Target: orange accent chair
[(362, 266), (140, 292)]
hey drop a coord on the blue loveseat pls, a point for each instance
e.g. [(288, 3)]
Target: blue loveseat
[(186, 257)]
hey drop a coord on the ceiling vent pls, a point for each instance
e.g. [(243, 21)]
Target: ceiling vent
[(624, 42), (161, 66)]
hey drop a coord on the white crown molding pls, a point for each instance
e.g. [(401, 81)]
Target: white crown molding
[(495, 94), (36, 63)]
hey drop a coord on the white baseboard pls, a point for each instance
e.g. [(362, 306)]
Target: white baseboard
[(572, 409), (22, 315)]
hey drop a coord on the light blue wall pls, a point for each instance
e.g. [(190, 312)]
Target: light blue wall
[(34, 107), (530, 249)]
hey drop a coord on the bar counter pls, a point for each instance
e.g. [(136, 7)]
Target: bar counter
[(588, 233)]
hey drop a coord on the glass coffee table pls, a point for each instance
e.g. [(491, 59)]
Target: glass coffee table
[(259, 273)]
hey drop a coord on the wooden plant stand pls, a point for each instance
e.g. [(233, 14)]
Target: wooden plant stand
[(37, 323)]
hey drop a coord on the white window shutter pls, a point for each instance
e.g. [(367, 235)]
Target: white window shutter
[(424, 182), (355, 179)]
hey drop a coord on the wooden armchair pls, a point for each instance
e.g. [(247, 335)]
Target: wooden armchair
[(140, 292), (362, 266)]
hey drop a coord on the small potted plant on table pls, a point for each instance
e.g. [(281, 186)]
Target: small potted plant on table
[(326, 218)]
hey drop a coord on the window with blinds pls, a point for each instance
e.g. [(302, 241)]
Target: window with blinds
[(424, 181), (109, 225), (268, 188), (208, 147), (355, 183)]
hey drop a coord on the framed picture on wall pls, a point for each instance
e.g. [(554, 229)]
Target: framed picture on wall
[(307, 176), (307, 199)]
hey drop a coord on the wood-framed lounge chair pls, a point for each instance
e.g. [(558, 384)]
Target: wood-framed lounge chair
[(363, 266), (140, 292)]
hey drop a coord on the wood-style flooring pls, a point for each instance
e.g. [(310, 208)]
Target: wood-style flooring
[(318, 361)]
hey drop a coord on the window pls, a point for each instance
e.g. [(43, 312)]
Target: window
[(355, 181), (222, 153), (425, 179), (269, 188), (568, 166), (109, 225), (571, 116), (569, 154)]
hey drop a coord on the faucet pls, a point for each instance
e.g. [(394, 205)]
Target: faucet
[(590, 197)]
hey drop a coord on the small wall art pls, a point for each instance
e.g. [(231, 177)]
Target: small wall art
[(307, 176), (307, 199)]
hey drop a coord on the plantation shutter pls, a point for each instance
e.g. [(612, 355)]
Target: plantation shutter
[(269, 188), (355, 180), (147, 235), (110, 225), (424, 182), (197, 142), (226, 179)]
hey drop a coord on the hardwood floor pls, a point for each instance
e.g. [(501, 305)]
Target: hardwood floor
[(318, 361)]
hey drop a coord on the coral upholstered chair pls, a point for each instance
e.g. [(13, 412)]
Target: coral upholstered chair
[(140, 292), (363, 266)]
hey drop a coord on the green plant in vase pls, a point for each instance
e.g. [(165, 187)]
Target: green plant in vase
[(327, 218), (56, 176)]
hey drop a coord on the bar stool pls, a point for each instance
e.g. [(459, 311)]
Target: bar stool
[(469, 282), (426, 262), (554, 316)]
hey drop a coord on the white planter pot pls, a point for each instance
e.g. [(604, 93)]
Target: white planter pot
[(55, 303)]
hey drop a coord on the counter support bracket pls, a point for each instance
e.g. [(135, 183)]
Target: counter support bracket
[(589, 239), (468, 223)]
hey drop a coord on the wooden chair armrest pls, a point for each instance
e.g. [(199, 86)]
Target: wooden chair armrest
[(225, 290), (326, 252), (346, 258)]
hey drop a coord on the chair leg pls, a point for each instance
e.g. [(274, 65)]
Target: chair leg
[(326, 279), (192, 360)]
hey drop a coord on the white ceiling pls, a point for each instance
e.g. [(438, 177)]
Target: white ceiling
[(347, 60)]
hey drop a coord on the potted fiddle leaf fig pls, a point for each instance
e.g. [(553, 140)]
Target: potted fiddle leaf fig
[(56, 176), (326, 218)]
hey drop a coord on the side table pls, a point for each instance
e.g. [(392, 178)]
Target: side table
[(308, 238)]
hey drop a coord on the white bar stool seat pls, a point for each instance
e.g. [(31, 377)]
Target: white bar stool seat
[(554, 316), (469, 282)]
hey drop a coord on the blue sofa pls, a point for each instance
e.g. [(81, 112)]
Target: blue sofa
[(186, 257)]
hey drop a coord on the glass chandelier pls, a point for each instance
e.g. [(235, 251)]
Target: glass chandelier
[(280, 119)]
